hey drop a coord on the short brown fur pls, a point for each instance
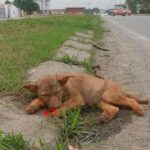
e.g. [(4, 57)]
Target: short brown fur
[(67, 91)]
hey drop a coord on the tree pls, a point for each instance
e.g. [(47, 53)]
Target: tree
[(145, 6), (96, 10), (133, 5), (88, 11), (141, 6), (27, 5), (7, 2)]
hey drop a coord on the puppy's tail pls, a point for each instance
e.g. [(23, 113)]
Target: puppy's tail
[(137, 99)]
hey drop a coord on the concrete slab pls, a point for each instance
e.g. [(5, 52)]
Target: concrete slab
[(73, 53), (89, 32), (14, 119), (78, 45), (84, 35), (79, 39), (52, 67)]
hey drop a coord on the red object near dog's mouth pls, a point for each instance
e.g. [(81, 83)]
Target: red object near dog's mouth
[(46, 113), (49, 112)]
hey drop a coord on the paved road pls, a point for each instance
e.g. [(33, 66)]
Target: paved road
[(139, 24)]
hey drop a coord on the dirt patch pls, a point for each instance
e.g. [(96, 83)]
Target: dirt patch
[(103, 131), (93, 133)]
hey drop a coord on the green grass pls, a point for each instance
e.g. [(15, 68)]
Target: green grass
[(13, 141), (26, 43), (70, 129), (87, 64), (44, 145)]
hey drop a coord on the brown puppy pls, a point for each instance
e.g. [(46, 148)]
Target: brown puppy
[(67, 91)]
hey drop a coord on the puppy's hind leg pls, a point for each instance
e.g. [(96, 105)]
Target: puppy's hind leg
[(109, 112), (124, 101), (133, 104), (137, 98)]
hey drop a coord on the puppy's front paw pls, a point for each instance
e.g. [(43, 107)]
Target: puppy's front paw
[(31, 109)]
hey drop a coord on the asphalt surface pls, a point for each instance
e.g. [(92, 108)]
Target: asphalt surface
[(139, 24)]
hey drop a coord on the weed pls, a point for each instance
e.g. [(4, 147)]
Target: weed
[(71, 127), (43, 144), (60, 145), (88, 66), (74, 61), (70, 60), (13, 141)]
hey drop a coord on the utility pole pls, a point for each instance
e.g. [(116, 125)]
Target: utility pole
[(127, 5), (47, 6), (41, 4), (89, 5)]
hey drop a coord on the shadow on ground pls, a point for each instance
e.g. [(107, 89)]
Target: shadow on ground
[(93, 132)]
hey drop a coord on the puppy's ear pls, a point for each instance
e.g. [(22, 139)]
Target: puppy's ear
[(62, 80), (31, 87)]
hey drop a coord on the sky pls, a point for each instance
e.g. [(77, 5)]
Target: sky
[(102, 4)]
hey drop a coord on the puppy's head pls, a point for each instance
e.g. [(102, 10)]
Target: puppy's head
[(49, 90)]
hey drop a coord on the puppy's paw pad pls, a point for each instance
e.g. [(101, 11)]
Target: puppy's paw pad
[(102, 120), (140, 112), (30, 110)]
